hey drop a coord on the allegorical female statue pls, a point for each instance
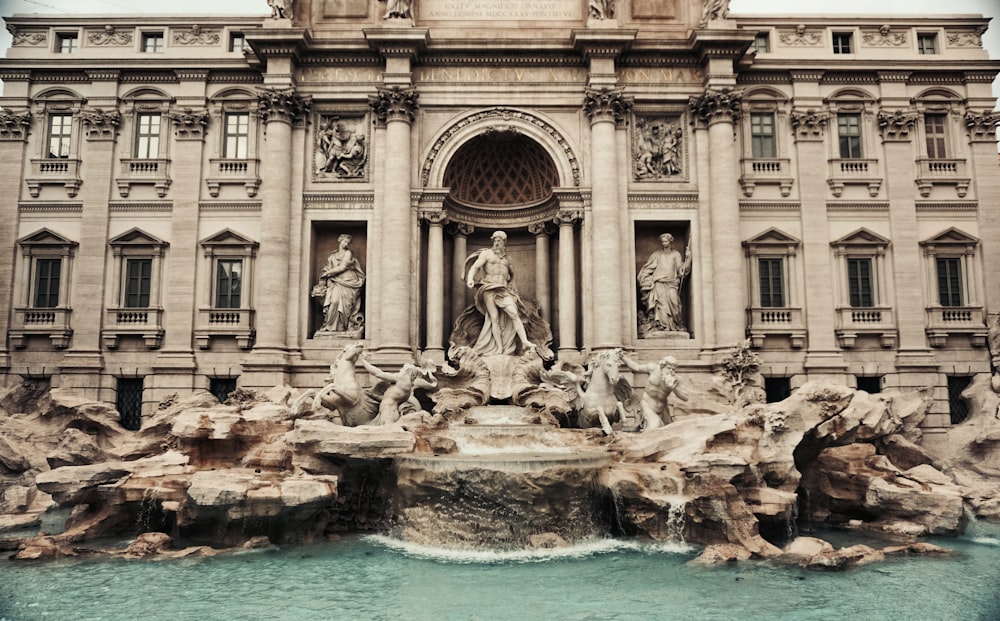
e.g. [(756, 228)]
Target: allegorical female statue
[(660, 280), (339, 285)]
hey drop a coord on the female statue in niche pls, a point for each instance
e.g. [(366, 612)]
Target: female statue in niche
[(339, 285), (660, 280)]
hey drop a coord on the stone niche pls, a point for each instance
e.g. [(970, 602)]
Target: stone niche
[(647, 241), (325, 240)]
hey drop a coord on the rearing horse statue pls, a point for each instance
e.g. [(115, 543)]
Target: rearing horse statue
[(603, 401), (343, 394)]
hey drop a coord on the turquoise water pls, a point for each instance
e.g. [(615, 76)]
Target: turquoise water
[(371, 578)]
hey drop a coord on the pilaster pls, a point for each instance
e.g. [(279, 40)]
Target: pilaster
[(981, 128), (15, 125)]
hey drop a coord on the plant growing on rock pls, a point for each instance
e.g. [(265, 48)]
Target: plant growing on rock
[(739, 368)]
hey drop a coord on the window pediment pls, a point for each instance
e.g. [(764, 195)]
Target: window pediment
[(230, 241), (136, 237), (46, 238), (772, 238), (950, 240)]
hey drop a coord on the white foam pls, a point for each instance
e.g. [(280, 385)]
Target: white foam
[(528, 555), (986, 541)]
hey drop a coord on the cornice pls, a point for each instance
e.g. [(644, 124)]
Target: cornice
[(209, 206), (602, 42), (764, 77), (965, 206), (769, 206), (876, 206), (140, 206), (432, 59), (397, 42), (50, 208)]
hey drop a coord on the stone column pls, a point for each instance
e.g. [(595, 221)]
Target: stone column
[(81, 365), (396, 108), (541, 233), (279, 108), (436, 220), (567, 283), (461, 232), (982, 147), (14, 126), (720, 110), (605, 107)]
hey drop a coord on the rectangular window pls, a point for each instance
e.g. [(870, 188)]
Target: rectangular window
[(958, 407), (934, 126), (842, 43), (152, 42), (47, 272), (147, 135), (60, 132), (872, 384), (949, 274), (66, 42), (777, 388), (237, 41), (859, 283), (237, 136), (762, 134), (849, 133), (128, 402), (137, 282), (772, 290), (762, 43), (228, 283), (221, 387), (927, 43)]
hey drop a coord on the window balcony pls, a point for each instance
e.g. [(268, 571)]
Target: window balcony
[(225, 322), (845, 172), (146, 323), (943, 321), (776, 321), (766, 171), (233, 172), (874, 320), (50, 322), (931, 172), (144, 171), (54, 171)]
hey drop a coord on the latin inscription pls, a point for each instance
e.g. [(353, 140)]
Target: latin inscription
[(501, 10), (489, 75)]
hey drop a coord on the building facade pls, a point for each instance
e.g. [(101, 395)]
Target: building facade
[(205, 202)]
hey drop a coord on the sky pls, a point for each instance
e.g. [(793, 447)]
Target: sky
[(989, 8)]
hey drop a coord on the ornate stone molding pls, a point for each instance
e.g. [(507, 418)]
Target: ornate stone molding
[(883, 37), (982, 126), (100, 124), (540, 229), (929, 207), (50, 208), (809, 124), (568, 216), (282, 104), (725, 105), (606, 105), (896, 125), (109, 36), (855, 207), (463, 229), (189, 123), (800, 36), (14, 125), (21, 37), (394, 104), (229, 206), (140, 207), (965, 38), (433, 216), (196, 36), (769, 206)]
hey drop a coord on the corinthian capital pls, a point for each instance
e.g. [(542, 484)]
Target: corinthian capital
[(896, 125), (721, 105), (394, 104), (982, 126), (809, 124), (607, 104), (100, 124), (14, 125), (282, 104)]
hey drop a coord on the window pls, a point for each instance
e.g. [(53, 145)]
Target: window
[(221, 387), (949, 277), (59, 134), (842, 43), (237, 41), (128, 402), (872, 384), (67, 42), (46, 283), (777, 388), (926, 43), (138, 278), (849, 134), (958, 408), (762, 135), (859, 282), (152, 42), (772, 285), (147, 135), (229, 281), (237, 135), (761, 43), (934, 127)]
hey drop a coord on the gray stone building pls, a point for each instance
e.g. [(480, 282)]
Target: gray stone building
[(176, 191)]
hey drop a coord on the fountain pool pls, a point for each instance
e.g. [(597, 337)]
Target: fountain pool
[(375, 578)]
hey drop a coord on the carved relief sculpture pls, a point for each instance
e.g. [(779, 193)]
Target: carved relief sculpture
[(109, 36), (884, 37), (339, 285), (660, 280), (800, 36), (20, 37), (659, 148), (196, 36), (341, 149)]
